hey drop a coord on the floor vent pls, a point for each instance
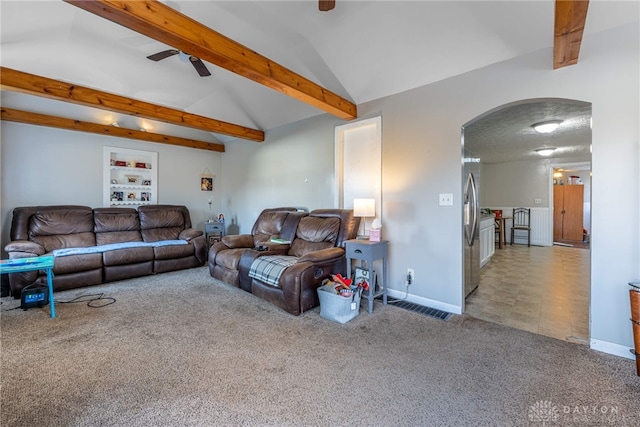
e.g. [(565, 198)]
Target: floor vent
[(420, 309)]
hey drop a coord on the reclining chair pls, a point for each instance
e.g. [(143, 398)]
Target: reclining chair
[(224, 256), (316, 252)]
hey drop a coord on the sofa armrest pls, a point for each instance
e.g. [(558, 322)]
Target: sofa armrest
[(23, 249), (190, 233), (322, 255), (238, 241)]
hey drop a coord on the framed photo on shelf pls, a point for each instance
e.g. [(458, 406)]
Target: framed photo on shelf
[(117, 196), (146, 182), (145, 196), (133, 179), (131, 196)]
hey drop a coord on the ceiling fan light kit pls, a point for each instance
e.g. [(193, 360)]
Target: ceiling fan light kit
[(547, 126)]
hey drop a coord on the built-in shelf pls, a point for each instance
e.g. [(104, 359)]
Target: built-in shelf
[(130, 177)]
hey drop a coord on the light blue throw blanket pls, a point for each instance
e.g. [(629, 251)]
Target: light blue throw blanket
[(115, 246)]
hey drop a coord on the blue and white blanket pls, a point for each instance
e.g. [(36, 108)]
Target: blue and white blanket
[(115, 246), (269, 268)]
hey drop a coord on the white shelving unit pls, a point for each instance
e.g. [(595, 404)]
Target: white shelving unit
[(130, 177)]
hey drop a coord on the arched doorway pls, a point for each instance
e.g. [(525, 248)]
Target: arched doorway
[(511, 173)]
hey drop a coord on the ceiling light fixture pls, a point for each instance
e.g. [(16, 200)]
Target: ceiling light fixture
[(115, 124), (546, 151), (546, 126)]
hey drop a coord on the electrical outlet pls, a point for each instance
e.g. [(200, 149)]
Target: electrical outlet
[(410, 276)]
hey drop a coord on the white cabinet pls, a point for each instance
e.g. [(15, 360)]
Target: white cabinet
[(130, 177), (487, 239)]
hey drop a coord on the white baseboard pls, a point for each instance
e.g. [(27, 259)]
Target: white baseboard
[(438, 305), (612, 348)]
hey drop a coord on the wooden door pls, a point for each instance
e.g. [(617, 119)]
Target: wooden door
[(572, 224), (558, 208), (568, 206)]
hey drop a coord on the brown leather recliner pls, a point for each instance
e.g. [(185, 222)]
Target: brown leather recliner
[(318, 252), (224, 256)]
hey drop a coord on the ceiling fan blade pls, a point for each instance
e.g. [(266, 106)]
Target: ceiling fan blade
[(326, 5), (161, 55), (199, 66)]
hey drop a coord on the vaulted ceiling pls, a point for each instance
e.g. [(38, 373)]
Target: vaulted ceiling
[(359, 51)]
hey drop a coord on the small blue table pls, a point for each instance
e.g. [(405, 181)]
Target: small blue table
[(19, 265)]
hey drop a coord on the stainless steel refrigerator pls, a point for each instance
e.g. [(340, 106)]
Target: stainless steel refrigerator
[(471, 218)]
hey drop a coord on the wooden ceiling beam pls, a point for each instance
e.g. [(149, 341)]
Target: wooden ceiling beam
[(32, 84), (570, 18), (19, 116), (166, 25)]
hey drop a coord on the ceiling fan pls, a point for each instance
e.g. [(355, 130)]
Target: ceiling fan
[(196, 62), (326, 5)]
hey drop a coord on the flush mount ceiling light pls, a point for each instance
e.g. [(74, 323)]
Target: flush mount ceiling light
[(546, 151), (547, 126)]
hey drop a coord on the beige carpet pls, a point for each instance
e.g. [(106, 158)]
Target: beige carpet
[(181, 349)]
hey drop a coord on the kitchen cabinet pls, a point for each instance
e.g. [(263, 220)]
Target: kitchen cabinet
[(568, 207), (487, 240), (130, 177)]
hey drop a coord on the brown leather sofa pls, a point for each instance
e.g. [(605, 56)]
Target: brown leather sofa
[(224, 256), (92, 246), (316, 252)]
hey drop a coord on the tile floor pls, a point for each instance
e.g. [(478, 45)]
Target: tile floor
[(544, 290)]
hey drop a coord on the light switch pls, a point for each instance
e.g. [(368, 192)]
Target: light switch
[(537, 201), (446, 199)]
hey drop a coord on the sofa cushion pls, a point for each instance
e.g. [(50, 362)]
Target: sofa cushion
[(75, 263), (315, 233), (268, 225), (115, 225), (173, 251), (54, 229), (165, 224)]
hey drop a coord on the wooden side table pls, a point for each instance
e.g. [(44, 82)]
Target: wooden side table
[(365, 250)]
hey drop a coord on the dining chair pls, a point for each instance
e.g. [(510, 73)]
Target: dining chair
[(521, 222)]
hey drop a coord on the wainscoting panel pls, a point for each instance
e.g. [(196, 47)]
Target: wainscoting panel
[(541, 227)]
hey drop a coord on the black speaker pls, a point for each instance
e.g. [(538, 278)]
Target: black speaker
[(34, 296)]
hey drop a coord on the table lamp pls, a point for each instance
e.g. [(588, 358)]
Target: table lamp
[(364, 208)]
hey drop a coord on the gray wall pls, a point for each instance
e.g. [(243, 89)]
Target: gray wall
[(515, 184), (420, 159), (45, 166)]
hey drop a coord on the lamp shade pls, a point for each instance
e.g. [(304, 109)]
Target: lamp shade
[(364, 207)]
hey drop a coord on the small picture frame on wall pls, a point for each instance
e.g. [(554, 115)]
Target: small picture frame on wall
[(206, 184)]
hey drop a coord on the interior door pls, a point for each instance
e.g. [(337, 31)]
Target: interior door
[(573, 212), (558, 209), (568, 207)]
